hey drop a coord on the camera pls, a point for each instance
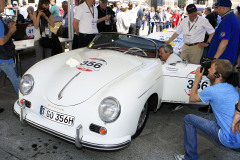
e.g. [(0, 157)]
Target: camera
[(46, 11), (233, 78), (206, 64)]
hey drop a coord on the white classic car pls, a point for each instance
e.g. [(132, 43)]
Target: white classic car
[(100, 96)]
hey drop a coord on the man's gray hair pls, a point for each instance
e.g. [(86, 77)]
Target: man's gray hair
[(167, 48), (65, 2)]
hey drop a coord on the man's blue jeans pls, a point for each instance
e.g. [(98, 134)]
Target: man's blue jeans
[(11, 72), (191, 123)]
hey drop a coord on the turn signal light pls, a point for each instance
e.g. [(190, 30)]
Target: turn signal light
[(103, 131), (21, 101)]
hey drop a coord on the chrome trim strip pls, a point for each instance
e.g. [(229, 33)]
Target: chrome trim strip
[(84, 143), (60, 93)]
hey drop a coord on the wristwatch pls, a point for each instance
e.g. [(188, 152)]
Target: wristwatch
[(236, 107)]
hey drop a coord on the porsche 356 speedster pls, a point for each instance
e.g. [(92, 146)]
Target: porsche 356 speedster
[(100, 96)]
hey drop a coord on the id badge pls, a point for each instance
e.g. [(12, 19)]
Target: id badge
[(47, 31), (63, 22), (94, 25), (188, 38)]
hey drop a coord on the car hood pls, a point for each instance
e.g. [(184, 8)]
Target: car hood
[(81, 75)]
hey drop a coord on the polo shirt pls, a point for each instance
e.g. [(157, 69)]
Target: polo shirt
[(199, 27), (87, 19), (227, 29), (2, 30)]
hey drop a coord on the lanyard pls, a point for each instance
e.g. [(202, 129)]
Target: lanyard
[(92, 11), (192, 25)]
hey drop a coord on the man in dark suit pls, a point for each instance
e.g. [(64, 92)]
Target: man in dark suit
[(213, 21)]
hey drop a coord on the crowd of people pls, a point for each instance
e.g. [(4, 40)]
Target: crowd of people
[(203, 35)]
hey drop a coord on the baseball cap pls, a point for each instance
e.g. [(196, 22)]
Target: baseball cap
[(104, 1), (191, 8), (124, 5), (223, 3), (15, 2)]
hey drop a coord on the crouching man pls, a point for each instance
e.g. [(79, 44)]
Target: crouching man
[(222, 97)]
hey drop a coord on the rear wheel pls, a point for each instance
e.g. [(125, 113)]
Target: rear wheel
[(142, 120)]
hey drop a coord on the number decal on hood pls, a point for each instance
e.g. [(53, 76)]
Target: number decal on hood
[(92, 64)]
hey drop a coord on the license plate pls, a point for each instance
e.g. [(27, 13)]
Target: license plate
[(56, 116)]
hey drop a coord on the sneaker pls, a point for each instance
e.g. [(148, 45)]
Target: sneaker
[(179, 157), (1, 110)]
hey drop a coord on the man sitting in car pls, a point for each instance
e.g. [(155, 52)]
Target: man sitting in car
[(166, 54)]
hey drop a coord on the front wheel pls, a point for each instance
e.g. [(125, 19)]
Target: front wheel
[(142, 120)]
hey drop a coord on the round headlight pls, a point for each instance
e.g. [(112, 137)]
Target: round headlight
[(26, 84), (109, 109)]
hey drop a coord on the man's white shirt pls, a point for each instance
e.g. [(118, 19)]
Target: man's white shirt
[(173, 58), (87, 22), (194, 32)]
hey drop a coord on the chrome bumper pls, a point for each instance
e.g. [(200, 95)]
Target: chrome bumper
[(78, 138)]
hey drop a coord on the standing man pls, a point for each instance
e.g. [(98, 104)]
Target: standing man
[(65, 19), (103, 10), (139, 21), (222, 97), (225, 40), (213, 21), (54, 9), (160, 20), (168, 17), (236, 120), (193, 28), (85, 24), (117, 8), (7, 51)]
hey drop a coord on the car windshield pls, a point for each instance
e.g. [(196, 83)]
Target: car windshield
[(127, 44)]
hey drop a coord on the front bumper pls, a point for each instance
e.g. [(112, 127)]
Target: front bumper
[(77, 140)]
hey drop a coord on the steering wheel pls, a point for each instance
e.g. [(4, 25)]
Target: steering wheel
[(137, 49)]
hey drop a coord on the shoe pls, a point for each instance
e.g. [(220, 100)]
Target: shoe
[(179, 157), (176, 107), (1, 110)]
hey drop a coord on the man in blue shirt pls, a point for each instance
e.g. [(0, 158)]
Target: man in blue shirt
[(222, 97), (7, 50), (54, 8), (224, 44)]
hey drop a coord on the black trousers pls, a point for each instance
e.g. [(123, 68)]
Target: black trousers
[(132, 29), (82, 40), (151, 26)]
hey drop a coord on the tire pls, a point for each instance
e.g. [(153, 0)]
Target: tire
[(142, 120)]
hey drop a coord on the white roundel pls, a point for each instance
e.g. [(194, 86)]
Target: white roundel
[(189, 83), (30, 30), (92, 64)]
